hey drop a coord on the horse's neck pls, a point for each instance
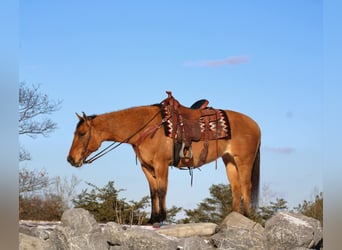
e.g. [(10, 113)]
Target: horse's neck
[(125, 124)]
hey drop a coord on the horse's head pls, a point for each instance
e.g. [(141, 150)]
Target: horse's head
[(85, 141)]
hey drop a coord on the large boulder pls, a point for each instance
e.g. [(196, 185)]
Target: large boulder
[(287, 230), (239, 232), (78, 230)]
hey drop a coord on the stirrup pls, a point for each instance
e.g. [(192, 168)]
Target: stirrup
[(181, 152)]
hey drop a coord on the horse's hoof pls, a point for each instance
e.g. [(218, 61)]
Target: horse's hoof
[(156, 225)]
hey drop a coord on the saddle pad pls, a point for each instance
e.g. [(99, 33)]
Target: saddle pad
[(213, 126)]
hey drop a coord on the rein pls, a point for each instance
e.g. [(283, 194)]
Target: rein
[(113, 146)]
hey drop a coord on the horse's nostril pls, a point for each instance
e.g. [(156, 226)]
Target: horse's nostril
[(71, 160)]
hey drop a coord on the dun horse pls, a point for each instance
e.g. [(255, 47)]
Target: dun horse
[(170, 134)]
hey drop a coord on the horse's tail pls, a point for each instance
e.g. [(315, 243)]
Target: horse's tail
[(256, 180)]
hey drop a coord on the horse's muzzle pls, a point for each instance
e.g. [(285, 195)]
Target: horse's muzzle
[(72, 161)]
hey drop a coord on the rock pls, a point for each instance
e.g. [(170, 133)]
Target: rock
[(79, 220), (115, 234), (235, 219), (34, 231), (136, 238), (196, 242), (27, 242), (79, 230), (188, 230), (239, 232), (40, 229), (293, 231), (148, 239)]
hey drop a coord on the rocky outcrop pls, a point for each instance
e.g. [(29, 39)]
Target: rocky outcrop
[(79, 230), (294, 231)]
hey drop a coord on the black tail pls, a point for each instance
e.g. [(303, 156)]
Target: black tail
[(256, 180)]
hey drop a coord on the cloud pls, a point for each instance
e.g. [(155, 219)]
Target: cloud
[(218, 62), (280, 150)]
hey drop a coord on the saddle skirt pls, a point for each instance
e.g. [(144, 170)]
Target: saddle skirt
[(186, 125)]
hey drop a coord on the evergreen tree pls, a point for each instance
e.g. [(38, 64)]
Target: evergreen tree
[(105, 205), (214, 208), (312, 209), (267, 212)]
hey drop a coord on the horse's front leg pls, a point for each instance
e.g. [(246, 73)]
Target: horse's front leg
[(152, 182), (162, 180)]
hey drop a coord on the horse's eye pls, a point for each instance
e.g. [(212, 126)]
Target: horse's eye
[(81, 134)]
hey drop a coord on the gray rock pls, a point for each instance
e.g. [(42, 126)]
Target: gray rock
[(80, 221), (287, 230), (188, 230), (27, 242), (236, 220), (79, 230), (148, 239), (115, 235), (195, 243), (34, 231), (239, 232), (136, 238)]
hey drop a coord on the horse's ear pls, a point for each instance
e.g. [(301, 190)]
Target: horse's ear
[(84, 116), (79, 117)]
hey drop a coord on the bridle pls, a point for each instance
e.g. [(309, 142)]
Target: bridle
[(112, 145)]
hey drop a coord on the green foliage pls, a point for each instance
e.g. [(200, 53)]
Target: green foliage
[(138, 215), (172, 213), (105, 205), (266, 212), (212, 209), (312, 209)]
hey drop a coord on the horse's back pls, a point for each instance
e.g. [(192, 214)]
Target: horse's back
[(241, 123)]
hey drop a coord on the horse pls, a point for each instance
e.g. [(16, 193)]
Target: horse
[(142, 128)]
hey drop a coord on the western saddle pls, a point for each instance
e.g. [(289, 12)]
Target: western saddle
[(197, 123)]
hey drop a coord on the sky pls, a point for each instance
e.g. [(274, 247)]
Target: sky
[(260, 58)]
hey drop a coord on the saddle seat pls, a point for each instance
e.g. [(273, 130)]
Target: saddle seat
[(200, 104)]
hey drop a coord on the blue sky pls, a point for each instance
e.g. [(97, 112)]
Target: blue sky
[(260, 58)]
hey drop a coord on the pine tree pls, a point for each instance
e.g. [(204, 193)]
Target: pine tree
[(212, 209)]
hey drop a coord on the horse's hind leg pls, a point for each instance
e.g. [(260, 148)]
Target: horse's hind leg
[(249, 177), (244, 169), (246, 187), (234, 180)]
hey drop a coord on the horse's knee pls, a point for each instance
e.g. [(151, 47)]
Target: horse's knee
[(162, 193)]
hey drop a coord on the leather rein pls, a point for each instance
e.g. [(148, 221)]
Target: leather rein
[(112, 145)]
